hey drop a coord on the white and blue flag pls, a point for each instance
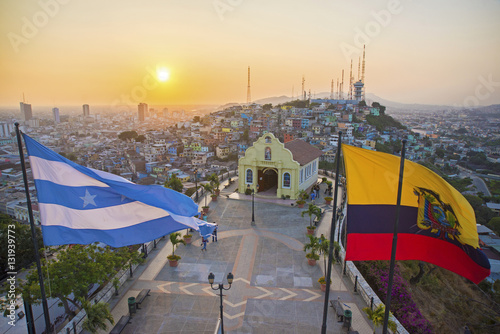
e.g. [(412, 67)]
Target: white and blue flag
[(80, 205)]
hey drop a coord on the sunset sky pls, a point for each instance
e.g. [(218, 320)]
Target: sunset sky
[(108, 52)]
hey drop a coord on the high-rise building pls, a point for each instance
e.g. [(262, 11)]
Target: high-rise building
[(142, 111), (55, 112), (26, 113), (6, 129), (86, 110)]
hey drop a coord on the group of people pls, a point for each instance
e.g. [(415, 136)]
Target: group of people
[(315, 192), (204, 240)]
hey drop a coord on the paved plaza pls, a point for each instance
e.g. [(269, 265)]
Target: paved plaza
[(274, 289)]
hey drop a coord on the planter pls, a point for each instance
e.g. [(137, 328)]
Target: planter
[(205, 209), (187, 240), (311, 262), (217, 192), (300, 204), (310, 231), (328, 202), (173, 263), (323, 287), (214, 198)]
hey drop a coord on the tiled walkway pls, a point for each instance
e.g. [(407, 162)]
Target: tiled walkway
[(274, 289)]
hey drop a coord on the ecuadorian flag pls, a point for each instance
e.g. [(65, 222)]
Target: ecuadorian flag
[(436, 224), (80, 205)]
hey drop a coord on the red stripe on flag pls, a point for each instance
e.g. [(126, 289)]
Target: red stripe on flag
[(366, 247)]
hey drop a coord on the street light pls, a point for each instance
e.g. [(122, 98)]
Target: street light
[(196, 183), (253, 194), (221, 287)]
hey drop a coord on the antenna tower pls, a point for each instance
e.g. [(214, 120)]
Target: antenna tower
[(359, 67), (350, 83), (303, 91), (331, 91), (249, 98), (363, 73)]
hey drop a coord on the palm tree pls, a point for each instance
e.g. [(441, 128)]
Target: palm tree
[(324, 246), (97, 314), (314, 246), (175, 239), (377, 317), (312, 210), (214, 181), (209, 189)]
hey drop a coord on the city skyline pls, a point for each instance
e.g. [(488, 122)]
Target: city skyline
[(171, 53)]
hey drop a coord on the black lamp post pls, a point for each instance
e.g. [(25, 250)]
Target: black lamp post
[(221, 287), (196, 182), (253, 206)]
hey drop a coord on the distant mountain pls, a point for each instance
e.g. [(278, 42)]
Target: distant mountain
[(274, 100), (392, 106)]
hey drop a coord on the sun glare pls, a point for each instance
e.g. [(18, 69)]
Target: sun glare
[(162, 74)]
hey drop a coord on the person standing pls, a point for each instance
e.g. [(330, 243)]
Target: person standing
[(204, 243), (214, 233)]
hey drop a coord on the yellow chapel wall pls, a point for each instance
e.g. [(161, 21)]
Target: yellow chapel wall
[(281, 159)]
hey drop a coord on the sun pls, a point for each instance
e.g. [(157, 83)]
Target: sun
[(162, 74)]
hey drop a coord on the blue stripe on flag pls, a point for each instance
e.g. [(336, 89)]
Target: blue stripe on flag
[(80, 198), (132, 235)]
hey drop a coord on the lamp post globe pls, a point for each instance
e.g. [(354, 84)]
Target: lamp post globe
[(220, 287)]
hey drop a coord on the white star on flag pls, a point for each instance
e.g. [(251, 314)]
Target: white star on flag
[(88, 199)]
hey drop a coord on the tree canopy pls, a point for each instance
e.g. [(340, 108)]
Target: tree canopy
[(128, 135), (75, 269), (174, 183), (25, 252)]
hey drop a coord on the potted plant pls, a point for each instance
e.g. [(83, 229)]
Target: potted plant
[(328, 200), (187, 238), (377, 317), (300, 203), (323, 180), (322, 282), (175, 239), (313, 247), (215, 183), (208, 188), (311, 211)]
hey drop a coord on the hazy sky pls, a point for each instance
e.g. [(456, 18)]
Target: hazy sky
[(61, 52)]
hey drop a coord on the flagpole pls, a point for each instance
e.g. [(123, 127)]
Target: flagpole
[(332, 235), (33, 233), (394, 240)]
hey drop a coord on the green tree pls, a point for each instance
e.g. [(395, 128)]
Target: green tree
[(494, 224), (267, 106), (324, 246), (377, 317), (174, 183), (214, 181), (311, 211), (208, 189), (440, 152), (362, 103), (313, 246), (475, 202), (127, 135), (140, 138), (95, 265), (25, 251), (97, 314), (175, 239)]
